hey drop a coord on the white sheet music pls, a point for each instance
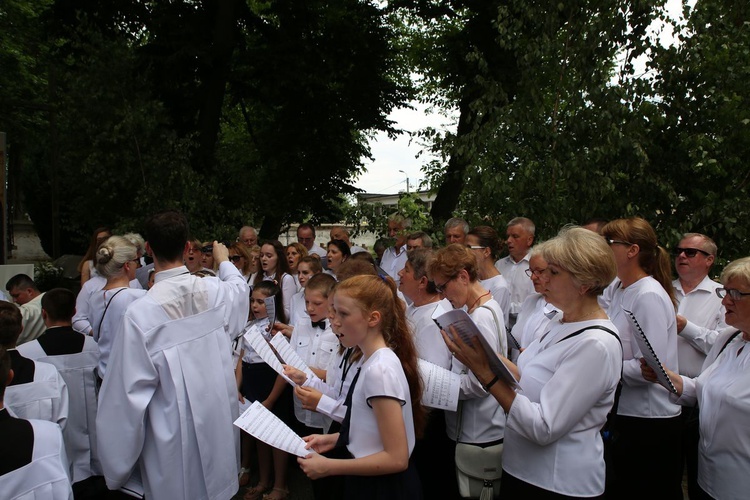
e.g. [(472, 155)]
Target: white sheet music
[(289, 355), (264, 350), (260, 423), (440, 387)]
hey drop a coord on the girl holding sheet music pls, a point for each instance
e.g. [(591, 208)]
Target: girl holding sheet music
[(722, 394), (259, 382), (568, 378), (646, 457), (384, 413)]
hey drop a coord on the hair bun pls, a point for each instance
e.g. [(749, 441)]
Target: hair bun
[(103, 255)]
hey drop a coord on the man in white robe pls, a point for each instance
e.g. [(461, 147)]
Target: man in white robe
[(32, 455), (75, 356), (169, 397), (37, 390)]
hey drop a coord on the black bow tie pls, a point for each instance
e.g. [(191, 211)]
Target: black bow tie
[(319, 324)]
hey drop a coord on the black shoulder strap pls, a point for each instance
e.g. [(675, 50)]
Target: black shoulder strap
[(616, 403), (593, 327), (101, 321), (731, 338)]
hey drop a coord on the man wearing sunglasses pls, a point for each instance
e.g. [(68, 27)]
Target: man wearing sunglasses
[(699, 316)]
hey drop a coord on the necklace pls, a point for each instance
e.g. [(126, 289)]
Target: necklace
[(478, 299), (590, 313)]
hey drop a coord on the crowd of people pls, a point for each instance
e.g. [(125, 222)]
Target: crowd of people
[(131, 387)]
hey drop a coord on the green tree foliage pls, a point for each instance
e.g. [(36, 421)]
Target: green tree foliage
[(235, 112)]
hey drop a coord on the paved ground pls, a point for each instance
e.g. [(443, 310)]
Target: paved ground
[(300, 487)]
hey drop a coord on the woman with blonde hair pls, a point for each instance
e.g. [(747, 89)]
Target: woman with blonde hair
[(241, 258), (646, 417), (116, 259), (568, 378)]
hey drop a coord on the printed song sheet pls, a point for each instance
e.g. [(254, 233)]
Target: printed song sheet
[(289, 355), (440, 386), (264, 350), (264, 425), (467, 330)]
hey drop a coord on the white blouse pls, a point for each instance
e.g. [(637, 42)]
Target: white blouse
[(381, 375), (568, 386), (653, 309), (722, 392)]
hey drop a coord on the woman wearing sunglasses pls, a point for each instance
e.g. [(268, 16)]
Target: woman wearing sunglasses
[(242, 260), (647, 455), (722, 394)]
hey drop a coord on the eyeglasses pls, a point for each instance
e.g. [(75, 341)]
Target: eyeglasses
[(732, 292), (611, 242), (235, 258), (475, 247), (441, 288), (535, 272), (689, 252)]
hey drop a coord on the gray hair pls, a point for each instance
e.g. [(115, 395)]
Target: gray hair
[(524, 222), (113, 254), (737, 269), (708, 244), (457, 222), (137, 240), (421, 235)]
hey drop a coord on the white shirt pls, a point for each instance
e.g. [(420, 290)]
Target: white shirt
[(106, 326), (45, 398), (392, 263), (169, 399), (333, 391), (260, 325), (317, 347), (722, 392), (77, 370), (482, 418), (653, 309), (500, 290), (532, 321), (297, 308), (568, 386), (427, 338), (82, 317), (521, 285), (705, 315), (288, 289), (381, 375), (47, 475), (320, 252), (32, 321)]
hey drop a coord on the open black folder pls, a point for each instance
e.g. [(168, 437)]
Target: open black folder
[(467, 330), (649, 355)]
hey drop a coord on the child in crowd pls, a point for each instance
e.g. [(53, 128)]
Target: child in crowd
[(307, 267), (259, 382), (275, 267), (384, 413)]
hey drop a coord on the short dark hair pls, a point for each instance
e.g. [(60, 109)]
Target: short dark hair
[(166, 233), (59, 304), (10, 324), (4, 370), (21, 281), (307, 226)]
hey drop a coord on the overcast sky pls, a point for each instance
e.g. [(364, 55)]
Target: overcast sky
[(385, 175)]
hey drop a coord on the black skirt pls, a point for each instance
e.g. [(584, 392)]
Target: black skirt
[(399, 486)]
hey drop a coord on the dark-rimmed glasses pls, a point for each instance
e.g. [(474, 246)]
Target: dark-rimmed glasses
[(441, 288), (535, 272), (732, 292)]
